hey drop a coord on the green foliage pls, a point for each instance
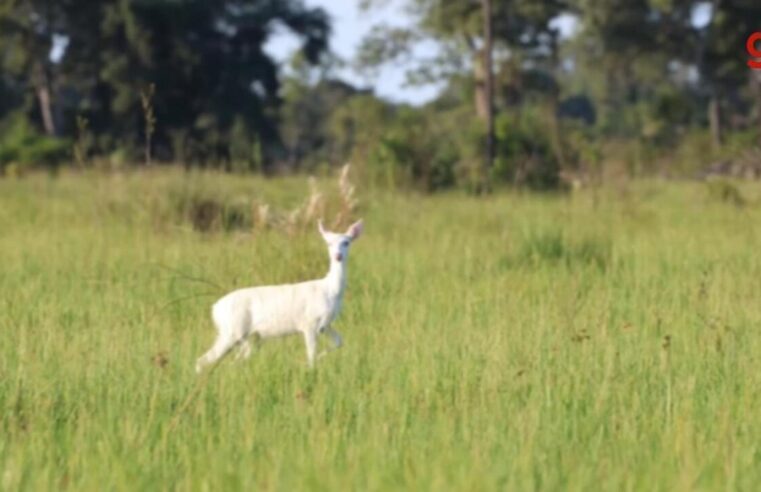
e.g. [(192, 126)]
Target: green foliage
[(729, 28), (413, 151), (191, 81), (524, 151), (357, 125), (21, 146), (245, 148), (663, 118), (320, 118), (205, 60)]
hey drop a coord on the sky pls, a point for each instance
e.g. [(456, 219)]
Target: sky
[(350, 25)]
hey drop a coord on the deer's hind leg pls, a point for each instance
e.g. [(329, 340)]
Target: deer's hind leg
[(228, 337), (244, 350), (221, 347), (335, 337)]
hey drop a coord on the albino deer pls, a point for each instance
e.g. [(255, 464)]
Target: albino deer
[(307, 308)]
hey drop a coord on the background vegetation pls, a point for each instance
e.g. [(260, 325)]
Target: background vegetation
[(639, 87)]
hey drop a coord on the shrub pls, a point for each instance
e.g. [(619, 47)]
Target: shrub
[(524, 153), (413, 151), (21, 146)]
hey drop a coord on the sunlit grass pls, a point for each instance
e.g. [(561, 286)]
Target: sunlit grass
[(607, 340)]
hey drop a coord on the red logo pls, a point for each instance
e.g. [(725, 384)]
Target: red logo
[(754, 52)]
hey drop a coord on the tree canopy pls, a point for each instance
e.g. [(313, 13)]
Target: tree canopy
[(205, 59), (643, 82)]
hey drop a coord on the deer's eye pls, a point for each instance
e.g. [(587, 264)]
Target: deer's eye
[(345, 244)]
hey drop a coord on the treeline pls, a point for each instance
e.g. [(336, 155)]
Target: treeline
[(188, 78), (581, 88)]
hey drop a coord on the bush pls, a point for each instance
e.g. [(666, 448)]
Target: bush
[(434, 149), (414, 151), (524, 153), (22, 147)]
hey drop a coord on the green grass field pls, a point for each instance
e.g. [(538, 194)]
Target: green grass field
[(603, 340)]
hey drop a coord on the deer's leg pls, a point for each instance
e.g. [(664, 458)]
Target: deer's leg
[(244, 350), (220, 348), (310, 340), (335, 337)]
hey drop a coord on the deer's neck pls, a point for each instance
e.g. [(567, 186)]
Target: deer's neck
[(335, 280)]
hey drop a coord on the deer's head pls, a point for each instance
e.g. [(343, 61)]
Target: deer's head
[(338, 244)]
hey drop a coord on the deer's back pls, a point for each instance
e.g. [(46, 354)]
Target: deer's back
[(278, 310)]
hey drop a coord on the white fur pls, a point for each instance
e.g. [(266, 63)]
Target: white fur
[(307, 308)]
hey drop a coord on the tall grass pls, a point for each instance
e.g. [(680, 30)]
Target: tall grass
[(512, 342)]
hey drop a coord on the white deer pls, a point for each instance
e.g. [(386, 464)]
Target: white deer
[(272, 311)]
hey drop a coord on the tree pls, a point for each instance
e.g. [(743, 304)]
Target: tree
[(721, 69), (205, 57), (519, 34), (27, 32), (488, 88), (624, 52), (311, 96)]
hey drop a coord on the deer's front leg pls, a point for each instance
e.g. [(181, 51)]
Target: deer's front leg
[(310, 340), (335, 337)]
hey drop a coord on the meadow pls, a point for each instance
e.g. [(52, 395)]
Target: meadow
[(606, 339)]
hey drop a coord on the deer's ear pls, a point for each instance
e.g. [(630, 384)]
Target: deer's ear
[(355, 230), (320, 227)]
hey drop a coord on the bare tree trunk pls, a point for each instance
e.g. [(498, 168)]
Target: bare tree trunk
[(714, 120), (479, 78), (556, 135), (43, 97), (42, 90), (479, 81), (489, 89)]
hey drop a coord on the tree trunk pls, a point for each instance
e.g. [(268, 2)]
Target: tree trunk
[(489, 90), (480, 98), (42, 89), (714, 120), (556, 135)]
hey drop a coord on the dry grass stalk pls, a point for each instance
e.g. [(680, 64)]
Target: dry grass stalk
[(315, 205), (261, 216), (348, 201), (312, 209)]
